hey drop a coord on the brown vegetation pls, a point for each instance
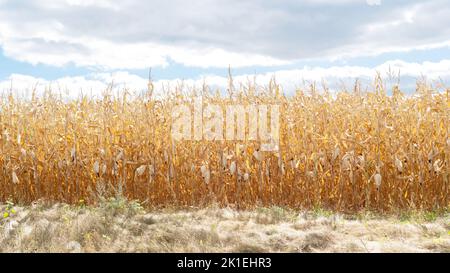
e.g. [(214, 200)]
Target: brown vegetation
[(352, 151)]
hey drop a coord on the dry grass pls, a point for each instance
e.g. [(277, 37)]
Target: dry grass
[(357, 150), (127, 228)]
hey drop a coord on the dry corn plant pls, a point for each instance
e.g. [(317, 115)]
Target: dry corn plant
[(346, 152)]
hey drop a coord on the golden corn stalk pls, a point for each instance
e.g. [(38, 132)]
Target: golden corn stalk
[(346, 152)]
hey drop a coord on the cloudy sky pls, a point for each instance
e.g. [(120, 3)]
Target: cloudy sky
[(85, 44)]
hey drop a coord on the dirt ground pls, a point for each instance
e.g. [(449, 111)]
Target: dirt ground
[(118, 226)]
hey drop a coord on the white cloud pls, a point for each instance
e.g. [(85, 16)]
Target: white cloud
[(108, 55), (96, 83), (373, 2), (93, 3), (132, 34), (54, 40)]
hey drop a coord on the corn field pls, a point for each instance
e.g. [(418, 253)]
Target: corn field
[(347, 151)]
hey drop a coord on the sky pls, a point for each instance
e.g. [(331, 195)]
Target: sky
[(85, 45)]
